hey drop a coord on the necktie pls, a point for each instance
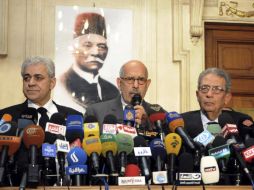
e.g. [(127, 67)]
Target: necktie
[(44, 117)]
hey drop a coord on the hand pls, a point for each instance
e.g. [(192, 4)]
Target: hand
[(140, 114)]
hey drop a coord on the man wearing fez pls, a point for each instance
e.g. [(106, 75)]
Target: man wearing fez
[(82, 81)]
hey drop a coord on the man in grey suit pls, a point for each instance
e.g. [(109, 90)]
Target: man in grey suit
[(133, 79)]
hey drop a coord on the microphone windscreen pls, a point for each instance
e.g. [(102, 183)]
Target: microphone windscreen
[(92, 144), (132, 170), (136, 99), (33, 135), (90, 119), (12, 142), (186, 163), (74, 128), (30, 114), (209, 170), (174, 120), (157, 116), (110, 119), (9, 128), (225, 118), (108, 143), (158, 148), (218, 141), (249, 142), (76, 156), (58, 118), (214, 129), (124, 143), (173, 143), (50, 137), (139, 141), (6, 117)]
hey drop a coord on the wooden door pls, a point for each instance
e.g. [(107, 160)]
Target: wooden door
[(231, 47)]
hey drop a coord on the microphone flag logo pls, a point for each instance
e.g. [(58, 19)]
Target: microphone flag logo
[(74, 157)]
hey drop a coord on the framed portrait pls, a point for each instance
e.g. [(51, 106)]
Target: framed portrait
[(118, 39)]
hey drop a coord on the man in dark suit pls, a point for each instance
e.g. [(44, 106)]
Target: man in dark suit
[(213, 94), (133, 80), (82, 85), (38, 75)]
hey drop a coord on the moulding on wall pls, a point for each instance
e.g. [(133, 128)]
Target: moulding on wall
[(181, 56), (196, 13), (3, 27)]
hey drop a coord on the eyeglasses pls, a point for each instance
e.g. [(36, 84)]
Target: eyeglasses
[(215, 89), (131, 80)]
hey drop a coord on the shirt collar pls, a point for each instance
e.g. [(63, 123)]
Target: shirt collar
[(90, 78), (205, 120), (50, 106)]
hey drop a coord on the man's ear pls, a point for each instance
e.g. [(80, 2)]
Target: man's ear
[(52, 83), (118, 81), (228, 98)]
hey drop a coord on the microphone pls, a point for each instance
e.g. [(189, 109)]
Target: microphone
[(214, 129), (158, 153), (9, 144), (186, 174), (209, 170), (109, 149), (136, 100), (173, 143), (157, 119), (132, 170), (220, 151), (248, 153), (204, 138), (230, 132), (176, 124), (139, 141), (33, 138), (109, 125), (129, 116), (245, 126), (125, 145), (29, 114), (5, 118), (74, 128), (76, 159), (92, 146), (91, 127)]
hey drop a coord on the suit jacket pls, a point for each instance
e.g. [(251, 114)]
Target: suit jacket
[(193, 123), (86, 93), (114, 107)]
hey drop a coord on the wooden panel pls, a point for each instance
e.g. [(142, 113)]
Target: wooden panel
[(231, 47)]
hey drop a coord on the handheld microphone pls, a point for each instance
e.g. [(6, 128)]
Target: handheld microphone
[(136, 100), (9, 144), (176, 124), (92, 146), (5, 118), (109, 125), (173, 144), (74, 128), (76, 159), (125, 145), (209, 170), (33, 138), (91, 126), (109, 149), (139, 141), (157, 119)]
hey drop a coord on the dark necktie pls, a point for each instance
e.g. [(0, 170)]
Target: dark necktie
[(44, 117)]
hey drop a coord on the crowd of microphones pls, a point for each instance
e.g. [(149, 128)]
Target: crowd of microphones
[(75, 151)]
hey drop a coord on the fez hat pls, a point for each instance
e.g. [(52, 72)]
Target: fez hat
[(89, 23)]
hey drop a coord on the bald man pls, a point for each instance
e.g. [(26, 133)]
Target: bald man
[(133, 79)]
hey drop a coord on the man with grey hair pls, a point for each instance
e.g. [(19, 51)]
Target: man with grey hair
[(38, 74), (213, 94)]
